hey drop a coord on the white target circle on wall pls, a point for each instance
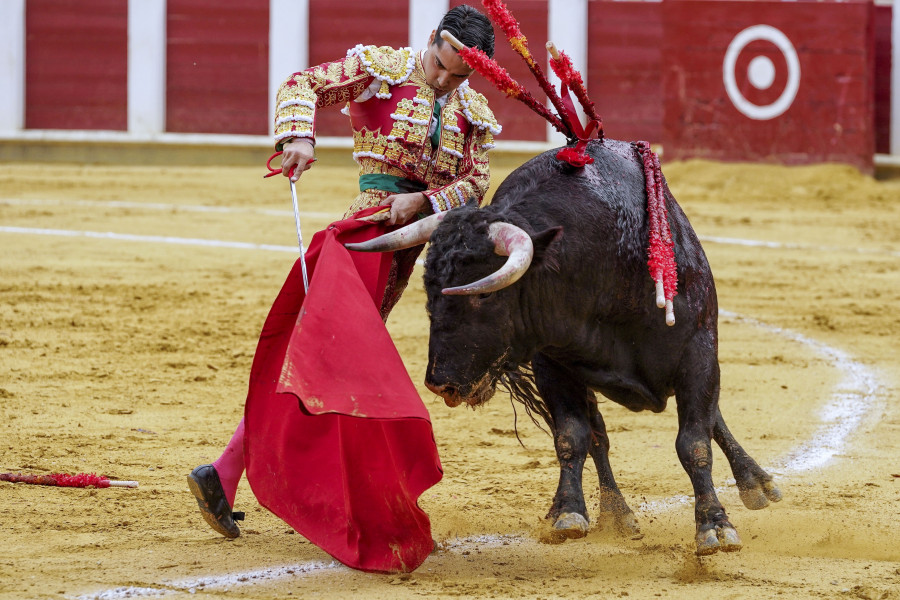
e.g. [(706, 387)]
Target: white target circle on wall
[(761, 72)]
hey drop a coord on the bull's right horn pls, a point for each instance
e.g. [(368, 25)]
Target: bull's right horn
[(405, 237), (510, 241)]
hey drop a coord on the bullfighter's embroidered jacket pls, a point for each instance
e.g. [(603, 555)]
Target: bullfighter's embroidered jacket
[(390, 106)]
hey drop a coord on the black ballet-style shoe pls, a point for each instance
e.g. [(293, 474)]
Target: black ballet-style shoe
[(207, 488)]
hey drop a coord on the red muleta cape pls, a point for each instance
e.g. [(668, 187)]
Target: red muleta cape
[(338, 443)]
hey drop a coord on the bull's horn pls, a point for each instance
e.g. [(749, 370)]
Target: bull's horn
[(510, 241), (405, 237)]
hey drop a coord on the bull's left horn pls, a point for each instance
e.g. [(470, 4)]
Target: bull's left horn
[(405, 237), (510, 241)]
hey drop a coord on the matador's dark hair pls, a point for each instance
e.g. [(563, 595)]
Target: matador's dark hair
[(468, 26)]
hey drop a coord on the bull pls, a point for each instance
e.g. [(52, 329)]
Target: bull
[(546, 291)]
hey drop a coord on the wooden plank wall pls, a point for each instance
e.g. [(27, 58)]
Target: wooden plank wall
[(624, 75), (217, 66), (883, 79), (76, 64)]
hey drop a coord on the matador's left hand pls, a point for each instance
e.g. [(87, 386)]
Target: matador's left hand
[(404, 206)]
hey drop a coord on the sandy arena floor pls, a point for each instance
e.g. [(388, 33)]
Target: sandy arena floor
[(127, 354)]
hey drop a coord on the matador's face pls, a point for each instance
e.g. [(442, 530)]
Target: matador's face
[(445, 70)]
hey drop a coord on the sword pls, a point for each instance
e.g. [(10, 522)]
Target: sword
[(299, 235), (296, 212)]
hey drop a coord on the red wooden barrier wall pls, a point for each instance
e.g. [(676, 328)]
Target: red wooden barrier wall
[(830, 118), (654, 70), (217, 66), (335, 27), (76, 64), (624, 74), (883, 79)]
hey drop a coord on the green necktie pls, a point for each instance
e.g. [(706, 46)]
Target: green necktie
[(436, 136)]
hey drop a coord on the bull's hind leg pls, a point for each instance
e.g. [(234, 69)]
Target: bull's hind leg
[(565, 400), (612, 502), (754, 484), (697, 396)]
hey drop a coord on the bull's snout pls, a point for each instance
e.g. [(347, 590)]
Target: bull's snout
[(474, 394), (449, 392)]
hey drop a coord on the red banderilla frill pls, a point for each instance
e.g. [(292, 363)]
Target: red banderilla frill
[(661, 250), (79, 480), (570, 80)]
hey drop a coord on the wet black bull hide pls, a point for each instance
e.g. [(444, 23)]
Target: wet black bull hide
[(547, 291)]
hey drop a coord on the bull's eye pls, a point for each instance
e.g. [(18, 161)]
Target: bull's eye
[(484, 296)]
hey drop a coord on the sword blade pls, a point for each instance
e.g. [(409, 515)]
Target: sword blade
[(299, 235)]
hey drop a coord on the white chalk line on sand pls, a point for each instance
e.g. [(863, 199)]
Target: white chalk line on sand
[(851, 401), (154, 239), (221, 582), (158, 239), (792, 246), (854, 397), (225, 583), (166, 207)]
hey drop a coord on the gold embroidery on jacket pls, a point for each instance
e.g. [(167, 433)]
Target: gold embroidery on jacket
[(454, 171)]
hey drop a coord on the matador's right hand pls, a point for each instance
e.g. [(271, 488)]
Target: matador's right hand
[(299, 153)]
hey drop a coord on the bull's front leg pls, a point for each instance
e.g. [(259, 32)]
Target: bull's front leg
[(565, 400), (697, 396)]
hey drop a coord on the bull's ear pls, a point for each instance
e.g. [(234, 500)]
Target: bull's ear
[(545, 245)]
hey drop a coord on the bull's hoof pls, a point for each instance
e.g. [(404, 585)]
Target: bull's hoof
[(707, 542), (627, 525), (710, 541), (614, 513), (568, 526), (754, 498), (758, 497), (729, 539), (771, 491)]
